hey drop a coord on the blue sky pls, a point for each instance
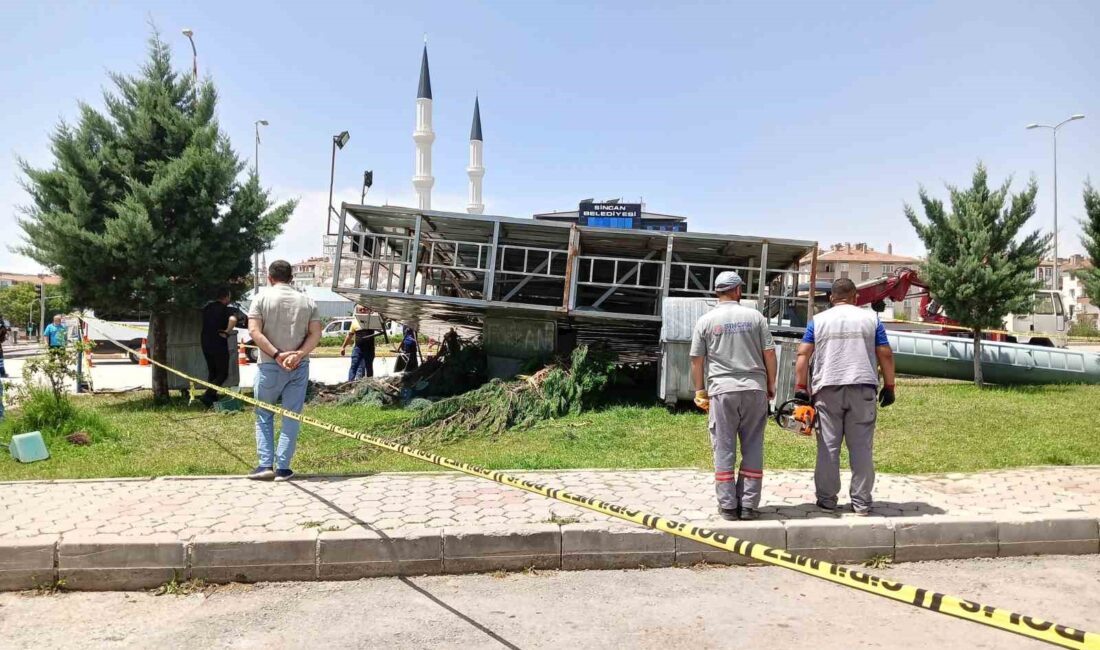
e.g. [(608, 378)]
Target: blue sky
[(807, 119)]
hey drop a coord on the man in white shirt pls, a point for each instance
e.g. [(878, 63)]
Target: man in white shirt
[(846, 344)]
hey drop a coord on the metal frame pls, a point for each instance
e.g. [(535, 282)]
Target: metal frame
[(468, 260)]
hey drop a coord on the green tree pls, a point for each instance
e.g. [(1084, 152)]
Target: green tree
[(978, 267), (143, 209), (1090, 238), (19, 302)]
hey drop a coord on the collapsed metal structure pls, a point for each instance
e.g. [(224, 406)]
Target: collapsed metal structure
[(435, 270)]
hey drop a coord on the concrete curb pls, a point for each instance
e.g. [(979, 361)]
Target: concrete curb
[(114, 562)]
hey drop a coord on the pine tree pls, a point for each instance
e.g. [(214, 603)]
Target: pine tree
[(1090, 239), (978, 268), (143, 209)]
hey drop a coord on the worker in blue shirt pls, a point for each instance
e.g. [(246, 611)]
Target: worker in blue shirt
[(846, 347)]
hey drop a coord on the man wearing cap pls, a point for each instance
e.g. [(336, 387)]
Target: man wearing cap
[(733, 367), (847, 346)]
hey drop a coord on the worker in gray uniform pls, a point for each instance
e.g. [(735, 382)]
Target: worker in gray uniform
[(733, 367), (846, 344)]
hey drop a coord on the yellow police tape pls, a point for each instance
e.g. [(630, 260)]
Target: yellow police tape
[(944, 604)]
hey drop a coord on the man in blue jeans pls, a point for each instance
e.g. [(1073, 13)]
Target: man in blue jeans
[(286, 326)]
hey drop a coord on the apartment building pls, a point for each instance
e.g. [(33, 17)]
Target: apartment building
[(858, 262), (1076, 301), (12, 279)]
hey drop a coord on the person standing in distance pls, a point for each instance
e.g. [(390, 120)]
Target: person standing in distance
[(846, 344), (55, 334), (362, 353), (218, 320), (733, 366), (286, 326)]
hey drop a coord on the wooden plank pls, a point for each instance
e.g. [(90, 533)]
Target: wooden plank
[(491, 274), (666, 270), (414, 256), (763, 275), (813, 286), (571, 268)]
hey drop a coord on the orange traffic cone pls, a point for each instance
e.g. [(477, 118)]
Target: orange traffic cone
[(242, 358), (144, 355), (88, 351)]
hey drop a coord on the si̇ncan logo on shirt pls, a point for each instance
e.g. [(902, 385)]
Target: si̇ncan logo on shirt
[(731, 328)]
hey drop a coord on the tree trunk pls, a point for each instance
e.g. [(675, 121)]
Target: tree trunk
[(978, 379), (158, 351)]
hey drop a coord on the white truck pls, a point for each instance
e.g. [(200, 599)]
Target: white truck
[(1046, 325)]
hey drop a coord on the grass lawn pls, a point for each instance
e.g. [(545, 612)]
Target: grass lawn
[(934, 427)]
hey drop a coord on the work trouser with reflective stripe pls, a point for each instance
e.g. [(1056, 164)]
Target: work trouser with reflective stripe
[(739, 415), (848, 413)]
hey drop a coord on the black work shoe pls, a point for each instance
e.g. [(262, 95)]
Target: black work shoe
[(729, 514), (262, 474), (749, 514), (826, 508)]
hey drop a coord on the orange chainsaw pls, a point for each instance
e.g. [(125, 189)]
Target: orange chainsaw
[(797, 415)]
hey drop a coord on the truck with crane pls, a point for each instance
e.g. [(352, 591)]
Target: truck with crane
[(1044, 326)]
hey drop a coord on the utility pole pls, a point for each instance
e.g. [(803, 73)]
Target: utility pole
[(41, 306), (256, 254)]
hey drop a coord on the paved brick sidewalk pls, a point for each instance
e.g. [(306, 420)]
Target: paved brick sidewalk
[(186, 507)]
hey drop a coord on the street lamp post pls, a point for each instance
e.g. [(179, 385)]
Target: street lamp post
[(190, 33), (338, 142), (1057, 281), (256, 161), (256, 167)]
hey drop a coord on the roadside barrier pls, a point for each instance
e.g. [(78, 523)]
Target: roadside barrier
[(88, 351), (1000, 619)]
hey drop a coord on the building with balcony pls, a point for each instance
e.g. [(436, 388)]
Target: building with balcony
[(858, 262)]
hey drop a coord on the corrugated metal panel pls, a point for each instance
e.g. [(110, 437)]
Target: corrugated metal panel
[(185, 350), (680, 315), (675, 371), (930, 355)]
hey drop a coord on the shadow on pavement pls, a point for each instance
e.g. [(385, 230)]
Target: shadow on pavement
[(412, 585)]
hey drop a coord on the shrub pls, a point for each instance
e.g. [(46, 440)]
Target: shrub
[(1084, 328), (40, 410)]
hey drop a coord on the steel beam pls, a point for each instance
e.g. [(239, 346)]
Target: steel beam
[(339, 248), (414, 255), (687, 272), (626, 278), (524, 281)]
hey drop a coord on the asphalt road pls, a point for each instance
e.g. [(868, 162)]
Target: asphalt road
[(761, 607)]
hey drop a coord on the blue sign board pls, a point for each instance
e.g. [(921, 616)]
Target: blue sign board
[(610, 215)]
